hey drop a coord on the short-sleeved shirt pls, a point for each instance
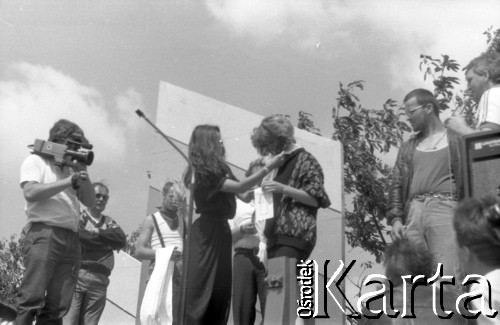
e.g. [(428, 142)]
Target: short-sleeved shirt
[(212, 202), (488, 108), (243, 216), (60, 210)]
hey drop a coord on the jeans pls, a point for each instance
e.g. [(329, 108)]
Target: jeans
[(89, 299), (51, 261), (430, 224)]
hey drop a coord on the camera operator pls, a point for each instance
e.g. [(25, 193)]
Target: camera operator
[(53, 192)]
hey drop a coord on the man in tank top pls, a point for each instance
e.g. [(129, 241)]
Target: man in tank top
[(425, 183), (162, 229)]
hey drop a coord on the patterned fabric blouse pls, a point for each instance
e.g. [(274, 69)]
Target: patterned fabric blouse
[(297, 220)]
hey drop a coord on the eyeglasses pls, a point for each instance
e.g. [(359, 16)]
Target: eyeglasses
[(102, 196), (414, 109)]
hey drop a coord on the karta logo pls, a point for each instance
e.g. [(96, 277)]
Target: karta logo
[(309, 283)]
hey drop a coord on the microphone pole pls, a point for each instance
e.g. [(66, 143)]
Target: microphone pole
[(187, 230), (141, 114)]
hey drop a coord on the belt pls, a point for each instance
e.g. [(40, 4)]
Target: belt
[(246, 251), (100, 269), (441, 196), (251, 253)]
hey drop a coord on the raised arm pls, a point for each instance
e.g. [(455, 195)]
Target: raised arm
[(34, 191), (85, 189), (249, 182)]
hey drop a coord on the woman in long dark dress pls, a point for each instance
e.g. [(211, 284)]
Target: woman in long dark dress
[(209, 275)]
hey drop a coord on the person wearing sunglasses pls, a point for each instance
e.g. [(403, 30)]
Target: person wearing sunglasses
[(426, 183), (99, 236)]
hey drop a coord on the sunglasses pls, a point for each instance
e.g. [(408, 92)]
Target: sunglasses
[(411, 111), (102, 196)]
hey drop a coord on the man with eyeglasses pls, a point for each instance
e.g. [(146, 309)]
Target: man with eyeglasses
[(425, 182), (53, 192), (99, 236)]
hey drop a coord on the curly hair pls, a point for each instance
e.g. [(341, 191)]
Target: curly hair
[(274, 134), (206, 153), (477, 224), (63, 129), (486, 63), (404, 257)]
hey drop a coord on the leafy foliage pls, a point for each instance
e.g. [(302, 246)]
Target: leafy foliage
[(443, 84), (364, 133), (492, 39), (131, 240), (11, 269), (305, 123)]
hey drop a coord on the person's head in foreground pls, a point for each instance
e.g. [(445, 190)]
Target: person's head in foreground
[(477, 226), (403, 257)]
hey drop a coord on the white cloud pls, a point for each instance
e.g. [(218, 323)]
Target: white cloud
[(303, 21), (429, 27), (33, 97), (396, 31)]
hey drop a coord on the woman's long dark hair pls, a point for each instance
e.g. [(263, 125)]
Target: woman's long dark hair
[(206, 153)]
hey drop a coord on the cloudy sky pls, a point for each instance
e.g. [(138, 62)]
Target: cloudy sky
[(95, 62)]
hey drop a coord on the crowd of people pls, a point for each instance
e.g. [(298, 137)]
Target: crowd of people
[(68, 249)]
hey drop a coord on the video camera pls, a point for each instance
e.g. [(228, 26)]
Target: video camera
[(62, 154)]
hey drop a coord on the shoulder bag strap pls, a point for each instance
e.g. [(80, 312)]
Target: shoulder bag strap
[(158, 230)]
